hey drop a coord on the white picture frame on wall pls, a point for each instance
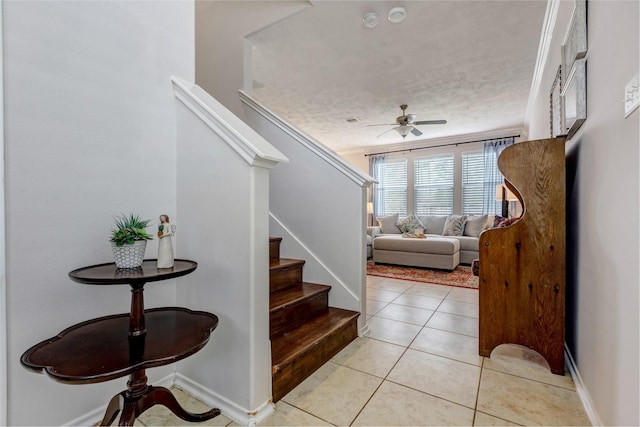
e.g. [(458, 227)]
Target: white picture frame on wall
[(574, 46), (556, 113), (574, 71), (574, 97)]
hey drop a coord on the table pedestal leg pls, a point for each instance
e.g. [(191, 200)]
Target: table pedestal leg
[(139, 397), (115, 405)]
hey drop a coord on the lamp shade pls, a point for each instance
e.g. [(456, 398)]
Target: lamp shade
[(369, 208), (509, 196)]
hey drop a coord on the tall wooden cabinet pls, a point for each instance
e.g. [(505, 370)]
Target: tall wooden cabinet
[(522, 267)]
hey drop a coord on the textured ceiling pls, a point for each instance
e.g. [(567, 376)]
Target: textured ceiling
[(469, 62)]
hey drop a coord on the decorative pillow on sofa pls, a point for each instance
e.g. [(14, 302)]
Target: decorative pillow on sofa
[(475, 224), (507, 222), (388, 224), (501, 221), (409, 224), (454, 226), (434, 224), (497, 220)]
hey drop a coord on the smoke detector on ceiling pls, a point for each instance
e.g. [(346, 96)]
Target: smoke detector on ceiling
[(397, 14), (370, 20)]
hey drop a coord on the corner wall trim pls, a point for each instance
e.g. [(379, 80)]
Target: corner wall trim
[(548, 26), (585, 398)]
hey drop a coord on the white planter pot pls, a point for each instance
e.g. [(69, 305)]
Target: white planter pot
[(129, 256)]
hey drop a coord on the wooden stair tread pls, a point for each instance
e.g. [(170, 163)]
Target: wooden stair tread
[(284, 263), (291, 345), (304, 331), (284, 298)]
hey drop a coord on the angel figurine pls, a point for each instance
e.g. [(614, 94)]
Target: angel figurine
[(165, 246)]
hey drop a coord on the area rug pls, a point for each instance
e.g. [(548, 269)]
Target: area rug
[(461, 277)]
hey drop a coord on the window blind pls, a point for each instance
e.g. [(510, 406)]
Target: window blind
[(472, 183), (433, 185), (391, 191)]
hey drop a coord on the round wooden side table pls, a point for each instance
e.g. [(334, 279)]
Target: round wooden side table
[(114, 346)]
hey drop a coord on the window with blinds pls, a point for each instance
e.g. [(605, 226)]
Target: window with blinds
[(391, 190), (433, 185), (472, 183)]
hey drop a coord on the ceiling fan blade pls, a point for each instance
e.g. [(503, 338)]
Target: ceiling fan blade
[(384, 133), (383, 124), (431, 122), (416, 132)]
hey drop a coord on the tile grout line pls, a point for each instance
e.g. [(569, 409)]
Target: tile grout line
[(475, 408), (303, 410), (444, 330), (406, 348)]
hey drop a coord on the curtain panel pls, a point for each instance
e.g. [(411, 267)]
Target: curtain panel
[(492, 175), (376, 197)]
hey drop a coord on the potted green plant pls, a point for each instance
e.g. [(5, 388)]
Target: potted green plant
[(129, 240)]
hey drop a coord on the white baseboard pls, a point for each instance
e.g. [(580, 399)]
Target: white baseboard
[(364, 330), (585, 398), (239, 415)]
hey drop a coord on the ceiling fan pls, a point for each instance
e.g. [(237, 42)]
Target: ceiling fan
[(406, 123)]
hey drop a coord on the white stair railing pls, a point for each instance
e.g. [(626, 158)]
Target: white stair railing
[(318, 205)]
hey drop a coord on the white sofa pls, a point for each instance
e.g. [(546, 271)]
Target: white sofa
[(450, 240)]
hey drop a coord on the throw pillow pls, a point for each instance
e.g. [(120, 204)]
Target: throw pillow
[(409, 224), (507, 222), (454, 226), (475, 225), (497, 220), (434, 224), (388, 224)]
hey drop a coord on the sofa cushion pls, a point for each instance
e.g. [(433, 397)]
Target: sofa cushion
[(409, 224), (475, 224), (388, 224), (454, 225), (468, 243), (433, 224), (431, 245)]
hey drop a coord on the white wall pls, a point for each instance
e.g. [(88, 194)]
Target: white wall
[(3, 271), (357, 160), (221, 26), (603, 210), (90, 130)]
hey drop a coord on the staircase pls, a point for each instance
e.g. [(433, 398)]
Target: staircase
[(304, 331)]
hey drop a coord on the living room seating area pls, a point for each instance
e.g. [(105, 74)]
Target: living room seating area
[(430, 241)]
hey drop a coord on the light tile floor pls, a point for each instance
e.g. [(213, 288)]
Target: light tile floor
[(419, 366)]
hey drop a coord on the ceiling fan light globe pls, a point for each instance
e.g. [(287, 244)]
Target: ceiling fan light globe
[(404, 130)]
